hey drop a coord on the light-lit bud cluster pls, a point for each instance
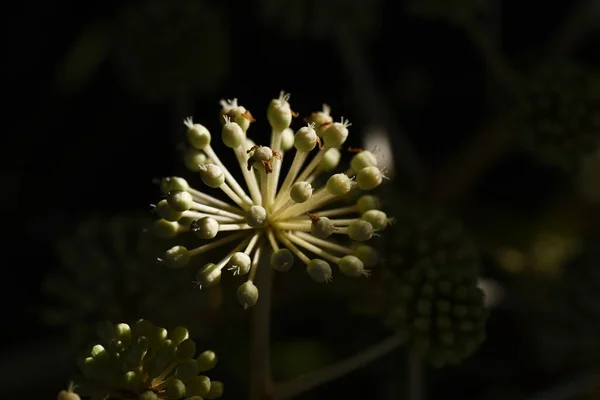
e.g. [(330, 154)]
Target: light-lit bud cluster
[(146, 362), (277, 217)]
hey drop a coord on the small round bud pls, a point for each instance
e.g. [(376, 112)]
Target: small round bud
[(207, 360), (263, 153), (339, 184), (194, 159), (367, 254), (360, 230), (212, 175), (179, 200), (256, 216), (319, 270), (301, 191), (330, 160), (149, 395), (123, 332), (369, 178), (165, 229), (287, 139), (164, 210), (305, 139), (279, 113), (368, 202), (175, 389), (205, 227), (186, 348), (247, 294), (216, 390), (323, 228), (282, 260), (321, 119), (377, 218), (233, 135), (352, 266), (173, 183), (198, 386), (209, 275), (336, 134), (362, 160), (176, 257), (198, 136), (68, 394), (240, 263), (187, 370)]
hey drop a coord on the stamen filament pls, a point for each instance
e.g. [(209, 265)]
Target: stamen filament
[(292, 247), (199, 196), (249, 176), (228, 177), (218, 218), (272, 240), (312, 248), (216, 243), (255, 262), (252, 243), (233, 196), (338, 211), (293, 226), (324, 243), (234, 227), (297, 162), (313, 164), (215, 211)]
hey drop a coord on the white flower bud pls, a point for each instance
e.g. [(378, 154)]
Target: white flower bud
[(164, 210), (319, 270), (68, 395), (262, 153), (321, 119), (256, 216), (197, 135), (208, 275), (173, 183), (287, 139), (247, 294), (336, 134), (212, 175), (352, 266), (367, 202), (205, 228), (165, 229), (369, 178), (339, 184), (176, 257), (179, 200), (330, 160), (279, 113), (377, 218), (360, 230), (194, 159), (305, 139), (233, 135), (367, 254), (301, 191), (362, 160), (240, 263), (323, 228), (282, 260)]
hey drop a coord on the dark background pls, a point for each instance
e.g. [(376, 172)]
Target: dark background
[(95, 103)]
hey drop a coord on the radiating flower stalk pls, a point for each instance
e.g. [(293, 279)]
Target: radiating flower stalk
[(288, 221)]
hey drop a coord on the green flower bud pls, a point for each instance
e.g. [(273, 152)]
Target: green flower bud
[(339, 184), (173, 183), (216, 390), (68, 394), (212, 175), (165, 229), (282, 260), (232, 135), (186, 349), (305, 139), (148, 395), (209, 275), (319, 270), (322, 228), (279, 113), (256, 216), (360, 230), (336, 134), (194, 159), (205, 228), (198, 386), (165, 211), (321, 119), (330, 160), (367, 254), (207, 360), (178, 334), (377, 218), (362, 160), (247, 294), (123, 333), (369, 178), (179, 200), (367, 202), (176, 257), (197, 135), (287, 139), (352, 266), (301, 191), (175, 389), (240, 263), (187, 370)]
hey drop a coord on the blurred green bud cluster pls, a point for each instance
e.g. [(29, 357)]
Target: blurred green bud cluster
[(422, 233), (439, 312), (109, 273), (146, 362), (322, 18), (165, 48), (454, 11), (557, 115)]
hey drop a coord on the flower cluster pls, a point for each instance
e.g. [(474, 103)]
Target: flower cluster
[(281, 222), (145, 362)]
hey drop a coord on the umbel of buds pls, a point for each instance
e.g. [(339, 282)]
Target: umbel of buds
[(273, 215), (145, 362)]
